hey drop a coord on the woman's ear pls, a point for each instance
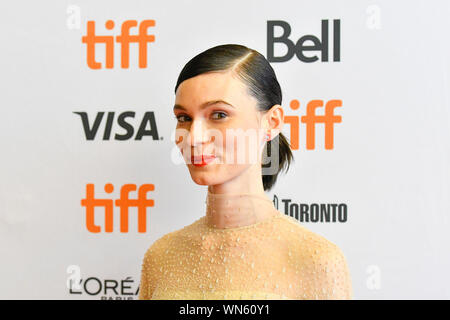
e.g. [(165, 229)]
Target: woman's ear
[(274, 120)]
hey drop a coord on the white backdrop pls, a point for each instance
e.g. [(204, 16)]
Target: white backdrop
[(389, 165)]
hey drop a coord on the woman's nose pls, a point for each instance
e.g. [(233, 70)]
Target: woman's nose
[(198, 133)]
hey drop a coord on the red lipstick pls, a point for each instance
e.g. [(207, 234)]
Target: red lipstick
[(203, 160)]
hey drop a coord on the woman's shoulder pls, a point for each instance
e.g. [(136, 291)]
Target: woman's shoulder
[(307, 241), (320, 260), (164, 242)]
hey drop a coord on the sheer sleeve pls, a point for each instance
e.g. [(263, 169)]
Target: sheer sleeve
[(333, 275), (147, 283)]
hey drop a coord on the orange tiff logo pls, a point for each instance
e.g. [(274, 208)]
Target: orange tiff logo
[(124, 203), (310, 119), (125, 38)]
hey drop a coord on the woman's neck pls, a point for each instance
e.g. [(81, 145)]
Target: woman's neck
[(233, 210), (239, 202)]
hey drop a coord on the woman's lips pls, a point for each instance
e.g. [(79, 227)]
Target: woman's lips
[(202, 160)]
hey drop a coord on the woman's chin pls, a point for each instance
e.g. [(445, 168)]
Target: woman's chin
[(203, 178)]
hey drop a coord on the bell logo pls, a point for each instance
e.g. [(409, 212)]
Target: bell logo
[(310, 119), (302, 46), (124, 203), (142, 39)]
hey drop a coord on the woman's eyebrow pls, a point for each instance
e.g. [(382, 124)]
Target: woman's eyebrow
[(203, 105)]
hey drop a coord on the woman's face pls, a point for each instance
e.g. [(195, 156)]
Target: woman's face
[(230, 133)]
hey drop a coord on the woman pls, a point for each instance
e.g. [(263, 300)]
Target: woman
[(243, 248)]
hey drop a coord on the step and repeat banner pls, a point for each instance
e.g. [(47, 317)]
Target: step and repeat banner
[(89, 170)]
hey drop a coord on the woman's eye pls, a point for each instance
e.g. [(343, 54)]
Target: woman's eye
[(222, 115), (216, 116), (181, 117)]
